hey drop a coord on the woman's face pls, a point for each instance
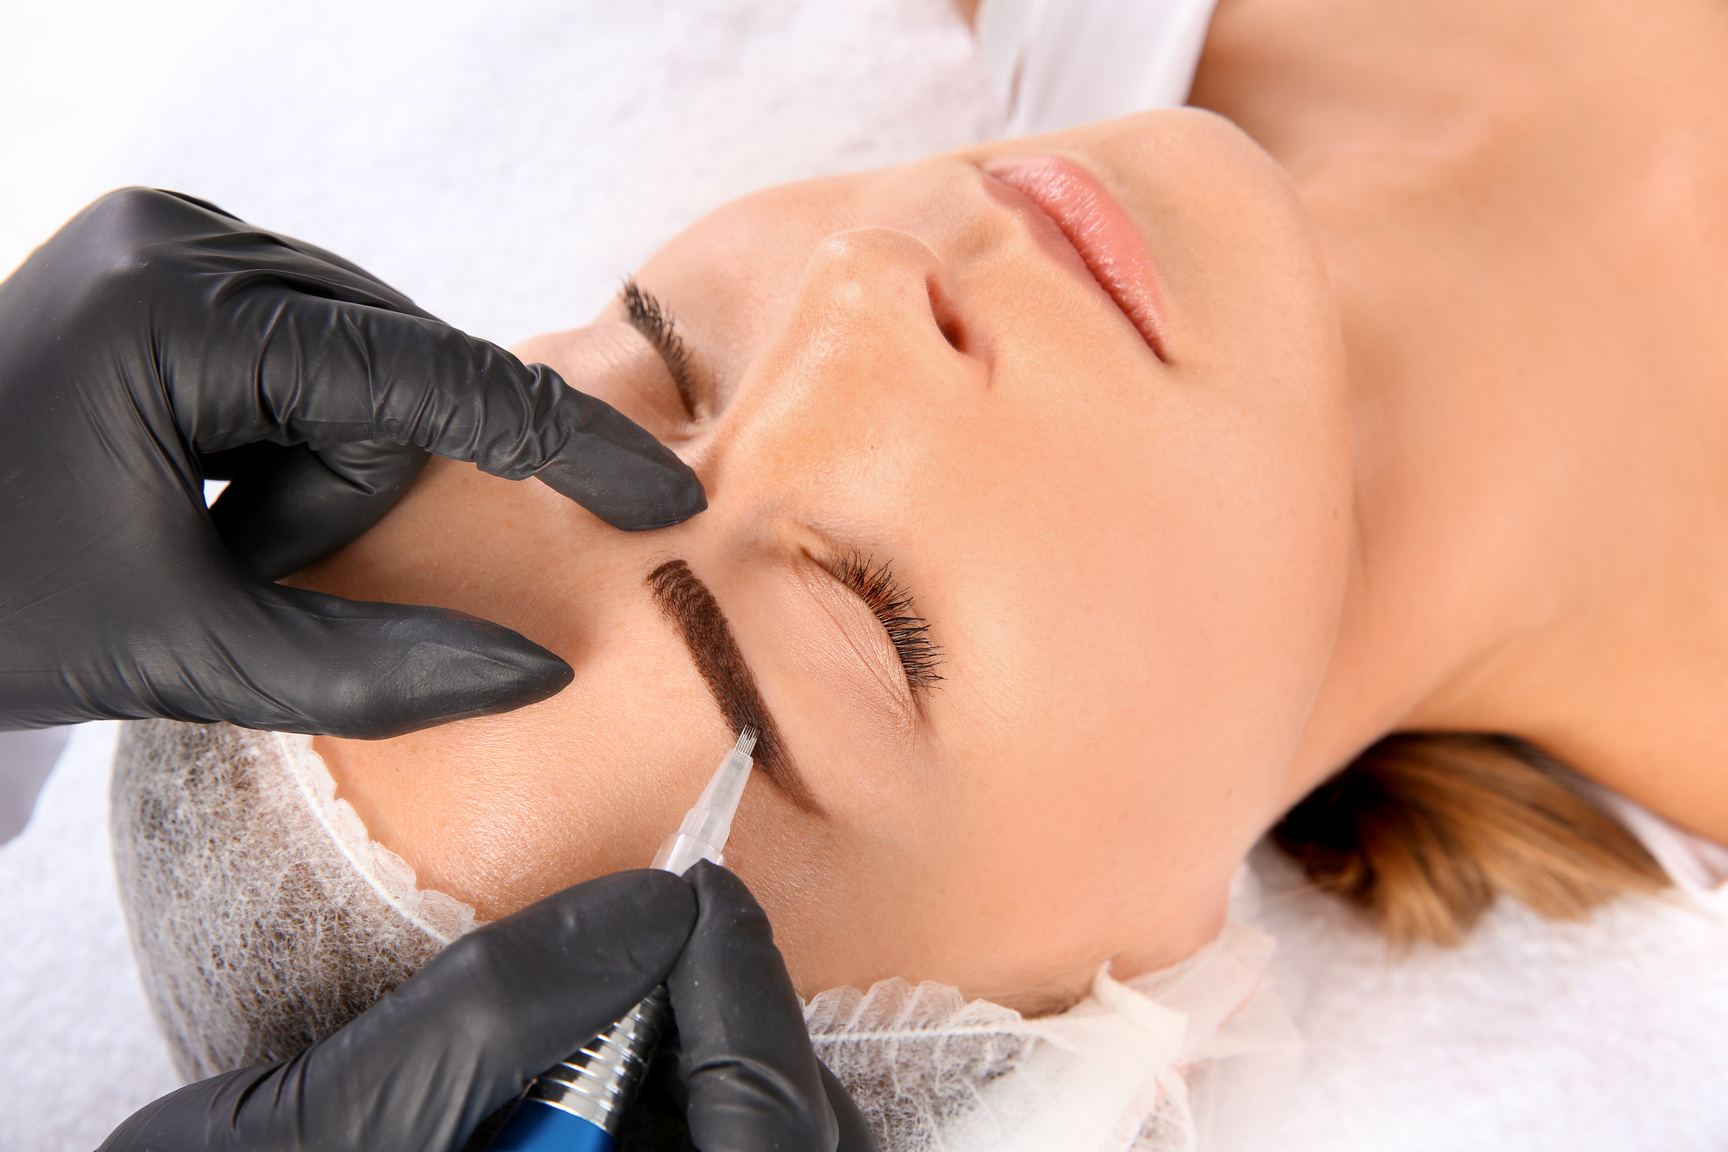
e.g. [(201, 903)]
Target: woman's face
[(1076, 404)]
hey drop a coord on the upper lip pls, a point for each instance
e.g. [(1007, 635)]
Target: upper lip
[(1098, 230)]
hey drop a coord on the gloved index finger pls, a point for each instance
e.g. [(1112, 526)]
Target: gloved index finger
[(752, 1077), (335, 371)]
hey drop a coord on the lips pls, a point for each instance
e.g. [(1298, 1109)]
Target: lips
[(1100, 232)]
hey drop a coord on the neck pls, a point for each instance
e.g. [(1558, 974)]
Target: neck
[(1527, 284)]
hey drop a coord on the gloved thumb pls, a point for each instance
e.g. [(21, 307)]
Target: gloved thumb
[(751, 1076), (287, 508), (290, 660)]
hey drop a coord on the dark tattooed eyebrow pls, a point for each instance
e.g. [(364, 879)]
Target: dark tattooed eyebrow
[(651, 318), (691, 607)]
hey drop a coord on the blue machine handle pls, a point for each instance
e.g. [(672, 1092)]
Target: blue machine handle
[(536, 1126), (579, 1104)]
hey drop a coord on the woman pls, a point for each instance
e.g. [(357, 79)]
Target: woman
[(913, 403), (1080, 504), (1177, 540)]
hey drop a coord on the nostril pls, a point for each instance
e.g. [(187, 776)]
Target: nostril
[(947, 318), (952, 333)]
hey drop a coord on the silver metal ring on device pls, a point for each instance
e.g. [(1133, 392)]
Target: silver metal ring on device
[(597, 1082)]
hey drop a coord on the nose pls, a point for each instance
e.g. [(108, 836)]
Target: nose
[(875, 271), (851, 393), (875, 332), (889, 278)]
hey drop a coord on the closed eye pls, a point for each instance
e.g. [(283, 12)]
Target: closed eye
[(875, 584), (654, 321)]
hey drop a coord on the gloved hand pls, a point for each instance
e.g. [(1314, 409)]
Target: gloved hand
[(155, 341), (420, 1069)]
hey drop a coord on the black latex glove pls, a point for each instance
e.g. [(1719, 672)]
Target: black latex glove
[(155, 341), (420, 1069), (741, 1066)]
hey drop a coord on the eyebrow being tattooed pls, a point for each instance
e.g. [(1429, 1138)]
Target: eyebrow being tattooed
[(651, 318), (691, 607)]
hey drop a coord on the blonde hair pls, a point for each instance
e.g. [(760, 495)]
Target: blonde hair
[(1425, 831)]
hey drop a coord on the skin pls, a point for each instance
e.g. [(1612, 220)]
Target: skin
[(1133, 569), (1522, 212), (1435, 443)]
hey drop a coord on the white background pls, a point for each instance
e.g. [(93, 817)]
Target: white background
[(75, 75)]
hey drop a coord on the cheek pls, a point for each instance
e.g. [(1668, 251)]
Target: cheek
[(848, 907), (852, 910)]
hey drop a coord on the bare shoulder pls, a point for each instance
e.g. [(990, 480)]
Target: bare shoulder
[(1294, 73)]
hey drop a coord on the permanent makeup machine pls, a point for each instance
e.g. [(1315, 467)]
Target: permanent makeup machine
[(579, 1106)]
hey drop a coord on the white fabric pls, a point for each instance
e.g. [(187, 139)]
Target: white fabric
[(505, 164), (504, 171), (1697, 866), (25, 760), (1172, 1061), (1603, 1036), (79, 1051), (1060, 63)]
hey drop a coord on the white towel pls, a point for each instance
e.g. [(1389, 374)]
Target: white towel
[(1609, 1035), (505, 164), (1060, 63)]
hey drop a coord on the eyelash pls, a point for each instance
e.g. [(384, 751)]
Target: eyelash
[(875, 585), (651, 318)]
